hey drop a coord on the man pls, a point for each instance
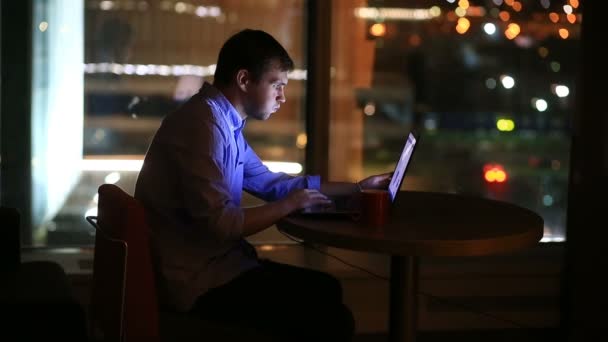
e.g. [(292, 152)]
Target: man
[(191, 184)]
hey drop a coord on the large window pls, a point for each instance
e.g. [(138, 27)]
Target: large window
[(490, 86)]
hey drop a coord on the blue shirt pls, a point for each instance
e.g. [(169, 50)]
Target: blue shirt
[(191, 185)]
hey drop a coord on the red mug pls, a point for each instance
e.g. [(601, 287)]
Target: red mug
[(375, 205)]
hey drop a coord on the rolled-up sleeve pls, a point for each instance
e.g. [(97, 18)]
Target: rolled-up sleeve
[(206, 194), (271, 186)]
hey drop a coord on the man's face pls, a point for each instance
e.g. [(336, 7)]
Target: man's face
[(265, 96)]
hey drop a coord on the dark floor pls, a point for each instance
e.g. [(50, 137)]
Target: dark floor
[(495, 335)]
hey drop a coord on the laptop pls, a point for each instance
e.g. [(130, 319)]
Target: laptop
[(347, 206)]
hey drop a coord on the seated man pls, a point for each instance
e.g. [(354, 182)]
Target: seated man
[(191, 184)]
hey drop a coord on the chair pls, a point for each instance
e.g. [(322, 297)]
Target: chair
[(124, 301), (123, 298)]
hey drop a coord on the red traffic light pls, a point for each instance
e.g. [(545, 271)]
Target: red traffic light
[(494, 173)]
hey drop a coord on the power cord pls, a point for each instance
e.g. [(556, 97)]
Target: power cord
[(434, 297)]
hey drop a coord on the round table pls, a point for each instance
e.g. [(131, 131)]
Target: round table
[(424, 224)]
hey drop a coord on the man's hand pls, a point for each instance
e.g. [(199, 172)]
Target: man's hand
[(376, 182), (261, 217), (304, 198)]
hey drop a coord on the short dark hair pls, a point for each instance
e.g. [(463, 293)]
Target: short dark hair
[(252, 50)]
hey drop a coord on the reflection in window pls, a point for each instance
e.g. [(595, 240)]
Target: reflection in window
[(485, 83)]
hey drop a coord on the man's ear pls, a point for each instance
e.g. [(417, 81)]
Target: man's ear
[(242, 79)]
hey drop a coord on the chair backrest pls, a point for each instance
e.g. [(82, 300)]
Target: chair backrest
[(124, 304), (106, 312)]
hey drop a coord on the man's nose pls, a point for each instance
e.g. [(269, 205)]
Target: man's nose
[(281, 98)]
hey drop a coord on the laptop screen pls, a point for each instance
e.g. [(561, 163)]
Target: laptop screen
[(404, 160)]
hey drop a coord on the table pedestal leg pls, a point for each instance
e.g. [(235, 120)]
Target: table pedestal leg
[(403, 316)]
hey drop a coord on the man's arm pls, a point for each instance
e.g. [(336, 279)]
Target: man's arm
[(270, 186), (261, 217)]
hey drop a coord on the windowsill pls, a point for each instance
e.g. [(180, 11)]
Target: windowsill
[(74, 260)]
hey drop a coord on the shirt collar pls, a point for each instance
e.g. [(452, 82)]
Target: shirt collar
[(235, 122)]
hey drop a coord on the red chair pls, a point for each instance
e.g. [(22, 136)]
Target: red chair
[(124, 301), (124, 305)]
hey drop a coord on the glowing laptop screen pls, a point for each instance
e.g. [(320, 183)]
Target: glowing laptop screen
[(401, 167)]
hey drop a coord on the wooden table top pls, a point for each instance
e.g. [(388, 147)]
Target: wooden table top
[(428, 224)]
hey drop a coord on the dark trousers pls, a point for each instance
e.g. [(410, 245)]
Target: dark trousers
[(293, 303)]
